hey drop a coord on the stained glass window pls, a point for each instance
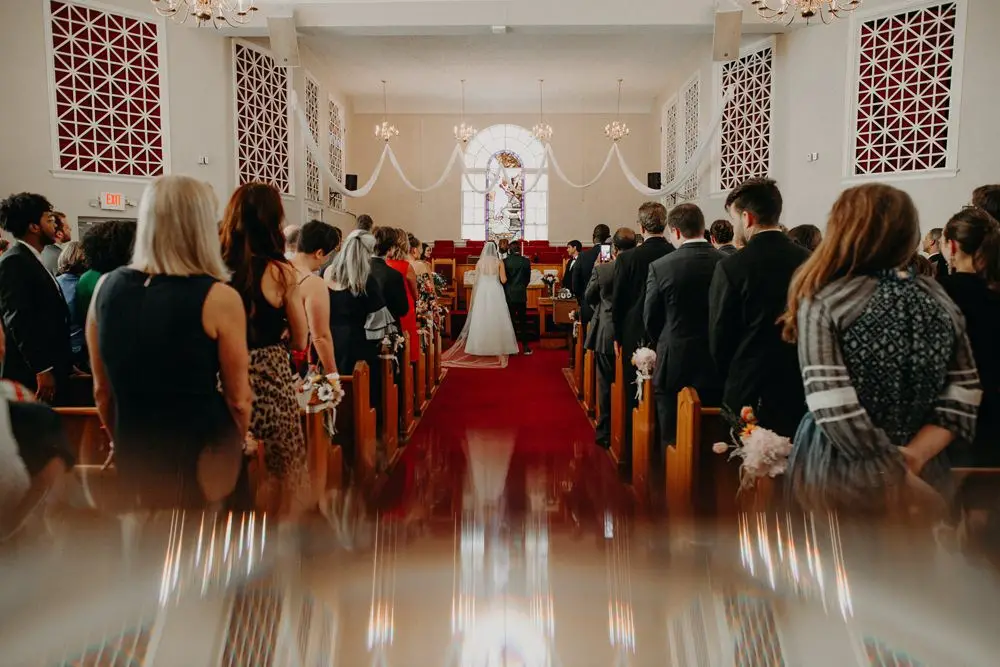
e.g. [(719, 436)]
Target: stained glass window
[(511, 160), (746, 120), (261, 118), (106, 84), (906, 70)]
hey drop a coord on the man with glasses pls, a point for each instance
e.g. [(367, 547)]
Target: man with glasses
[(34, 313)]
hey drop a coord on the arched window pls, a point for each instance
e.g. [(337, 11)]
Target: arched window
[(506, 210)]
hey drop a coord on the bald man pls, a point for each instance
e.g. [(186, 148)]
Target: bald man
[(291, 240)]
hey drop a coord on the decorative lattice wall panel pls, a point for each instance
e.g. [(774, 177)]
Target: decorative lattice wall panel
[(903, 113), (261, 118), (336, 156), (252, 635), (880, 655), (107, 92), (754, 631), (690, 98), (668, 145), (746, 120), (312, 116)]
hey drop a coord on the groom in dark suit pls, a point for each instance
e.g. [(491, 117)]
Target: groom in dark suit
[(518, 270)]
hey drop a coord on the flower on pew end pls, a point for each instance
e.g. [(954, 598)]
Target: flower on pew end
[(720, 447), (644, 360)]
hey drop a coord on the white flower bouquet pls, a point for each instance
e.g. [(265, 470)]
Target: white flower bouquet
[(644, 360), (764, 453), (318, 392)]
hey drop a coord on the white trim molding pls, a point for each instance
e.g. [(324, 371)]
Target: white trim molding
[(949, 168), (314, 117)]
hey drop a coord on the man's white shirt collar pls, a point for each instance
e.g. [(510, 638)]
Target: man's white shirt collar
[(686, 241)]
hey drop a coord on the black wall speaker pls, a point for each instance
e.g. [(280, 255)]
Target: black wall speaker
[(653, 180), (351, 182)]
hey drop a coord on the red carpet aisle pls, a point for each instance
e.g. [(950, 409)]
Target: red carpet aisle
[(528, 404)]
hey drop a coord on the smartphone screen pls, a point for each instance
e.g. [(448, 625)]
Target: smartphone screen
[(606, 252)]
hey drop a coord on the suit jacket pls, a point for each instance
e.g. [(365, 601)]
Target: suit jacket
[(568, 277), (35, 320), (628, 301), (393, 287), (676, 315), (940, 265), (585, 263), (728, 249), (749, 292), (518, 269), (50, 258), (598, 295)]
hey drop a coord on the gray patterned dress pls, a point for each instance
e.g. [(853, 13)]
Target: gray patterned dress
[(882, 356)]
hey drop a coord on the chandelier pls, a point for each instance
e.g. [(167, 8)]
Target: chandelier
[(231, 12), (541, 130), (384, 130), (464, 131), (617, 130), (786, 10)]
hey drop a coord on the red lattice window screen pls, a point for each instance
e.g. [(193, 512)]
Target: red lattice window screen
[(905, 75), (261, 119), (107, 92), (746, 120)]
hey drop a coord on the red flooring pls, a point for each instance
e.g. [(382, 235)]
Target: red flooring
[(529, 404)]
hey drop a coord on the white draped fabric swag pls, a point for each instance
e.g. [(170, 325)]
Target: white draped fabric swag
[(458, 157)]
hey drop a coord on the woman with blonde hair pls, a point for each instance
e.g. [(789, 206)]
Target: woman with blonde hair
[(253, 248), (889, 376), (162, 333)]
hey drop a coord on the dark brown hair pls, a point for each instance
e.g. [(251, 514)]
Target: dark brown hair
[(688, 220), (871, 228), (653, 217), (758, 196), (807, 236), (721, 231), (385, 240), (977, 234), (251, 233), (987, 197)]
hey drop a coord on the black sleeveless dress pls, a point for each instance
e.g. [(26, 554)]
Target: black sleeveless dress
[(163, 370)]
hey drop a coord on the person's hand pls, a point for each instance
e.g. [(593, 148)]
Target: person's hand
[(913, 461), (46, 386)]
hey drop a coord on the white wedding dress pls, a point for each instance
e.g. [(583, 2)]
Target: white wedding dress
[(488, 336)]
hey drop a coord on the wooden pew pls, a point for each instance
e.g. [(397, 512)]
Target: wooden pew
[(420, 396), (643, 436), (438, 367), (578, 360), (356, 425), (618, 406), (430, 381), (589, 384), (406, 365), (388, 411)]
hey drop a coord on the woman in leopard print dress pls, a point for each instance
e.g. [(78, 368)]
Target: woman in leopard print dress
[(253, 247)]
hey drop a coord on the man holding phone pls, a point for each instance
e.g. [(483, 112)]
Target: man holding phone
[(584, 267)]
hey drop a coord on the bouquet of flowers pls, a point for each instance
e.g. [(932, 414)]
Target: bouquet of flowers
[(644, 360), (392, 343), (549, 281), (764, 452), (440, 283), (318, 392)]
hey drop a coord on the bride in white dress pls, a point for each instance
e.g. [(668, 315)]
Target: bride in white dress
[(488, 336)]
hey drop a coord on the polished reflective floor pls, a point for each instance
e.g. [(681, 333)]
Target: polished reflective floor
[(503, 537)]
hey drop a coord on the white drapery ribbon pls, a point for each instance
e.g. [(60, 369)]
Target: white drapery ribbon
[(457, 156)]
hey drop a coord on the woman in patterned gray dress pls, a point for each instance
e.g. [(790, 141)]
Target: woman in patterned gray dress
[(889, 375)]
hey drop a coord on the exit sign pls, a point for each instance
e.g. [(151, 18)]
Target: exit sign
[(112, 201)]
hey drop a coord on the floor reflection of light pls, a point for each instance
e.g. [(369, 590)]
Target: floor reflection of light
[(504, 636), (621, 620), (381, 614)]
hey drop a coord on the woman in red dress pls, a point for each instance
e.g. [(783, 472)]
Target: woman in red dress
[(398, 259)]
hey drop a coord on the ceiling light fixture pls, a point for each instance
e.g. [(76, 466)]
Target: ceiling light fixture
[(786, 10), (218, 12), (464, 131), (384, 130), (542, 130), (617, 130)]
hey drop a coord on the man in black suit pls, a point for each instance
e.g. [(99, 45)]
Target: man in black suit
[(749, 292), (517, 267), (676, 315), (629, 298), (932, 246), (721, 236), (50, 254), (573, 250), (584, 267), (601, 334), (35, 315), (389, 279)]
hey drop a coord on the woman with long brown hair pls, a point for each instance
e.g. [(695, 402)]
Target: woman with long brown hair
[(970, 243), (253, 248), (889, 376)]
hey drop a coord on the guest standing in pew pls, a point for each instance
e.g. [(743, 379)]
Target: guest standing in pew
[(36, 321), (359, 318), (676, 316), (517, 269), (397, 259), (721, 236), (629, 300), (887, 367), (601, 334), (365, 223), (321, 271), (317, 240), (50, 254), (391, 282), (72, 265), (253, 249), (987, 197), (107, 246), (970, 244), (573, 250), (807, 236), (168, 349), (932, 248), (585, 267), (749, 293)]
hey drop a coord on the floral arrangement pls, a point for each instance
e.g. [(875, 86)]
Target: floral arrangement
[(644, 360), (392, 343), (318, 392), (549, 281), (440, 283), (764, 452)]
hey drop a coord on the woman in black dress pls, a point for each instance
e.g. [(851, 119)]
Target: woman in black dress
[(970, 243), (162, 333)]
